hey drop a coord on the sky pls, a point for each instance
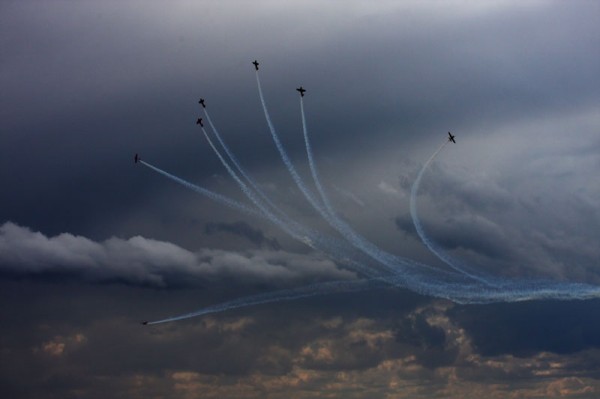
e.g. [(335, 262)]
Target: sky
[(494, 294)]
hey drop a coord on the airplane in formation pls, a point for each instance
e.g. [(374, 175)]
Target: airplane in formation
[(451, 138), (136, 158), (201, 102), (301, 90), (255, 64), (199, 122)]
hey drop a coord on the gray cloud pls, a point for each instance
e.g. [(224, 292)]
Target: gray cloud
[(140, 260)]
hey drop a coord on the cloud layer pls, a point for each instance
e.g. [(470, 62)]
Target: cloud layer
[(145, 261)]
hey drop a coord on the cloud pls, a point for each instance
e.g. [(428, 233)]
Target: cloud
[(144, 261)]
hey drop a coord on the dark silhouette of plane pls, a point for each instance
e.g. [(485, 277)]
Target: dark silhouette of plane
[(137, 158), (144, 323), (199, 122), (255, 64), (451, 138), (301, 90), (201, 102)]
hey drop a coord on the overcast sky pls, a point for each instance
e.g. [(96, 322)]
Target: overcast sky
[(91, 243)]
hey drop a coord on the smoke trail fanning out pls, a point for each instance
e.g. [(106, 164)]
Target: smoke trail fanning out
[(337, 251), (460, 283)]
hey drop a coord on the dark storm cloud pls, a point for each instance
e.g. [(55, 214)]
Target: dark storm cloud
[(528, 328), (88, 84)]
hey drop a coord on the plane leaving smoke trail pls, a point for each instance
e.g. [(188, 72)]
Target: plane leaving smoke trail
[(430, 244), (286, 159), (295, 176), (390, 261)]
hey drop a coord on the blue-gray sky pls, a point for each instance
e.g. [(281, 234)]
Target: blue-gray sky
[(90, 244)]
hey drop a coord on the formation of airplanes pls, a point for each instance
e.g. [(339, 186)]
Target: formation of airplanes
[(300, 89)]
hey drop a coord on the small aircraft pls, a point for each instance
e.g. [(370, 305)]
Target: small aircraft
[(144, 323), (301, 90), (451, 138), (137, 158), (255, 64), (201, 102), (199, 122)]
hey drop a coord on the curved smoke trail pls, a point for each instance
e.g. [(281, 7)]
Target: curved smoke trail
[(430, 244)]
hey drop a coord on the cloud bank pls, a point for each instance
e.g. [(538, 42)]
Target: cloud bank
[(145, 261)]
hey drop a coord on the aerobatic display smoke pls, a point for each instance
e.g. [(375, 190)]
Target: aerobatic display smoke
[(375, 268)]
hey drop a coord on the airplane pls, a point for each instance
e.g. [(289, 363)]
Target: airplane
[(137, 158), (301, 90), (255, 64), (144, 323), (451, 138), (201, 102), (199, 122)]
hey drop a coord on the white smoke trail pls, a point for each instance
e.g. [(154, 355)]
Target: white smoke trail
[(250, 194), (286, 159), (207, 193), (278, 296), (241, 170), (456, 289), (430, 244)]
